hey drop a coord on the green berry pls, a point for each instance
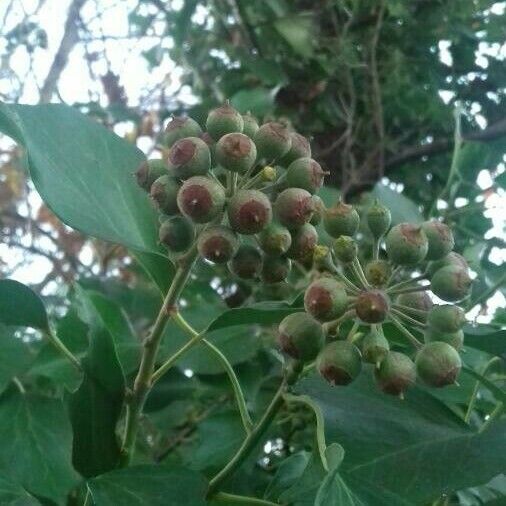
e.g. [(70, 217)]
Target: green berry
[(451, 283), (300, 148), (378, 219), (304, 241), (372, 306), (176, 234), (249, 211), (300, 336), (275, 269), (440, 239), (148, 172), (341, 219), (415, 300), (339, 362), (247, 262), (319, 208), (325, 299), (189, 157), (236, 152), (201, 199), (218, 244), (396, 373), (406, 244), (251, 126), (375, 347), (179, 128), (275, 239), (451, 259), (294, 207), (446, 318), (305, 173), (438, 364), (455, 339), (378, 272), (211, 144), (164, 194), (346, 249), (224, 120), (272, 141)]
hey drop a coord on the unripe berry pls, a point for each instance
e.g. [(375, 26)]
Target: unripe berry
[(300, 336), (179, 128), (378, 219), (446, 318), (304, 241), (325, 299), (201, 199), (375, 347), (251, 126), (416, 300), (189, 157), (440, 239), (438, 364), (211, 144), (236, 152), (341, 219), (455, 339), (176, 234), (224, 120), (346, 249), (148, 172), (275, 239), (249, 211), (300, 148), (378, 272), (217, 244), (452, 258), (272, 141), (294, 207), (164, 194), (275, 269), (319, 208), (372, 306), (247, 262), (451, 283), (339, 362), (305, 173), (406, 244), (396, 373)]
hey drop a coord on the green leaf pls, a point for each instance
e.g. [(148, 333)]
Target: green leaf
[(402, 208), (21, 306), (36, 441), (258, 101), (334, 490), (159, 269), (96, 406), (149, 485), (83, 172), (298, 32), (486, 338), (15, 356), (12, 494), (287, 474)]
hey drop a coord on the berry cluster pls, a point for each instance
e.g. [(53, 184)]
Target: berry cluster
[(386, 290), (244, 192)]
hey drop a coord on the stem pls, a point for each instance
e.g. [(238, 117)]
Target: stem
[(489, 291), (408, 319), (423, 288), (19, 385), (406, 282), (376, 248), (417, 312), (55, 341), (242, 499), (412, 339), (328, 326), (350, 285), (87, 499), (360, 273), (498, 411), (352, 331)]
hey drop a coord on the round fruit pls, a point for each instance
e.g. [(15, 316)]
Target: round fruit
[(247, 262), (224, 120), (378, 219), (189, 157), (294, 207), (325, 299), (440, 239), (300, 148), (372, 306), (319, 208), (451, 283), (300, 336), (250, 127), (148, 172), (451, 259), (446, 318), (305, 173), (275, 269), (201, 199), (341, 219), (275, 239), (273, 141), (455, 339), (249, 211), (217, 244), (438, 364), (236, 152), (176, 234), (406, 244), (346, 249), (339, 362), (420, 301), (164, 194), (304, 241), (375, 347), (396, 373), (179, 128), (378, 272)]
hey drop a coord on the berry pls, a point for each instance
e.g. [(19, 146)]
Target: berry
[(275, 269), (446, 318), (247, 262), (305, 173), (440, 239), (189, 157), (300, 336), (304, 241), (236, 152), (339, 362), (438, 364), (179, 128), (451, 259), (176, 234), (415, 300), (396, 373), (341, 219), (406, 244), (224, 120), (451, 283), (346, 249), (294, 207), (374, 347), (275, 239), (455, 339), (273, 141), (249, 211), (300, 148), (319, 208), (201, 199), (372, 306), (250, 127), (325, 299), (164, 194), (211, 144), (378, 272), (148, 172), (217, 244), (378, 219)]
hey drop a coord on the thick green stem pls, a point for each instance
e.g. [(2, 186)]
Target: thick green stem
[(408, 318), (498, 411), (413, 340), (55, 341), (223, 497), (376, 248)]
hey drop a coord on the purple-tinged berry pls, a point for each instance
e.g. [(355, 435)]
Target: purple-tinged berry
[(372, 306), (451, 283), (179, 128), (218, 244), (406, 244), (440, 239), (247, 262), (224, 120), (304, 241), (189, 157), (339, 362), (325, 299), (294, 207), (396, 373), (164, 194), (176, 234), (452, 258), (249, 211), (300, 148), (201, 199), (148, 172), (305, 173), (272, 141), (236, 152), (438, 364), (300, 336)]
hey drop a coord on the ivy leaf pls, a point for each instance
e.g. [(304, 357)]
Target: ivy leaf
[(402, 209), (15, 356), (12, 494)]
